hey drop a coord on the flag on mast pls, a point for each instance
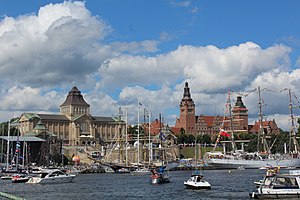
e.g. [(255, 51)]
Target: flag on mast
[(162, 136), (224, 133)]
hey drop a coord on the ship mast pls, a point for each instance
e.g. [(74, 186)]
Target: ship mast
[(292, 132), (126, 137), (138, 137), (231, 123), (261, 133), (120, 136), (149, 134), (161, 143), (7, 151)]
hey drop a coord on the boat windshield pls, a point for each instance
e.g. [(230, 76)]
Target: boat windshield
[(197, 178), (56, 173), (285, 182)]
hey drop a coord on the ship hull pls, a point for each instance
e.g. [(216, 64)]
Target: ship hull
[(252, 164)]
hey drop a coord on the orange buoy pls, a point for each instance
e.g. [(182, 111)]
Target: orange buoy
[(76, 159)]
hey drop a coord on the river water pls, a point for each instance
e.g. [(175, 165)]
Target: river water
[(233, 184)]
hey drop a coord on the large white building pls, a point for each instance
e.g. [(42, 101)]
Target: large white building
[(74, 125)]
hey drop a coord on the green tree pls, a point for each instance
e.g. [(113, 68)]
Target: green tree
[(133, 131), (190, 139), (182, 136), (199, 138), (280, 140), (206, 139)]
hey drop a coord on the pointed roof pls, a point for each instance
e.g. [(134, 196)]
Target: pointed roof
[(75, 98), (40, 126), (186, 92), (187, 96), (239, 105), (239, 102)]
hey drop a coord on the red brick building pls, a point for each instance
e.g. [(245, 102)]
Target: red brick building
[(204, 124)]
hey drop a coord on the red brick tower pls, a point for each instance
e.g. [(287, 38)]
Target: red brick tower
[(187, 117), (240, 115)]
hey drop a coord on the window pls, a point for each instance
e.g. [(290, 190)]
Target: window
[(85, 127)]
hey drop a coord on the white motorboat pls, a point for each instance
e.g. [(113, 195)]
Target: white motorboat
[(20, 178), (7, 175), (279, 186), (196, 181), (123, 171), (141, 171), (108, 169), (52, 176)]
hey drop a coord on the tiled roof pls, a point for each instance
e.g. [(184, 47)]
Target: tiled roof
[(256, 127), (75, 98), (30, 115), (176, 130), (104, 119), (209, 120), (53, 117)]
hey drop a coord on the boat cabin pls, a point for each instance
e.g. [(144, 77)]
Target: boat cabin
[(281, 182)]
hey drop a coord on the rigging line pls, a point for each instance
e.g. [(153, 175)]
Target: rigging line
[(243, 94), (296, 98), (285, 89), (268, 90)]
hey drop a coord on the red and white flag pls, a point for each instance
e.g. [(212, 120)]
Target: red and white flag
[(224, 133)]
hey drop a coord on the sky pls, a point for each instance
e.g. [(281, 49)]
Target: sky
[(121, 52)]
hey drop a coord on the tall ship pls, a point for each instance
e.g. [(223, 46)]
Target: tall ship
[(263, 156)]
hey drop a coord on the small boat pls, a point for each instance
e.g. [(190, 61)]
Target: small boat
[(141, 171), (196, 181), (123, 171), (108, 169), (159, 177), (162, 176), (6, 176), (291, 167), (20, 178), (241, 168), (279, 186), (52, 176)]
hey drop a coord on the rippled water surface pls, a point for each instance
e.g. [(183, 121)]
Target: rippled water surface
[(234, 185)]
